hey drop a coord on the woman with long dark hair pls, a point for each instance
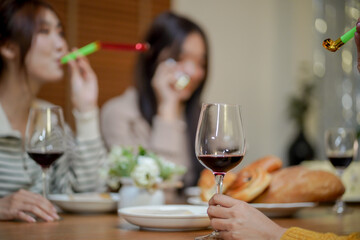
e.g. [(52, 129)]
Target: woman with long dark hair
[(31, 46), (158, 114)]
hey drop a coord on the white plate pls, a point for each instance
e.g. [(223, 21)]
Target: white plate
[(281, 209), (269, 209), (192, 191), (167, 217), (349, 199), (86, 202), (197, 201)]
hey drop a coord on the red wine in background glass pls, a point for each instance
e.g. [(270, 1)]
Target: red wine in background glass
[(45, 159), (340, 161), (220, 163)]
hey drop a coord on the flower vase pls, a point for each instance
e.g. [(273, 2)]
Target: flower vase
[(130, 195)]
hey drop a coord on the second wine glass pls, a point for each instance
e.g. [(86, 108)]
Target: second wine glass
[(220, 142), (341, 148), (45, 138)]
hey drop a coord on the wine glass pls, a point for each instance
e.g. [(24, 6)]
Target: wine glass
[(220, 142), (340, 147), (45, 137)]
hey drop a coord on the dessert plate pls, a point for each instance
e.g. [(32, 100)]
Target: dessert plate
[(167, 217), (269, 209), (85, 202)]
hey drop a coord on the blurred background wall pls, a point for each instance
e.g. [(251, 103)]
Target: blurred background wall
[(257, 49), (262, 52), (336, 74)]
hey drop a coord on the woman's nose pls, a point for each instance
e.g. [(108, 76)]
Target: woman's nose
[(60, 43), (193, 69), (189, 67)]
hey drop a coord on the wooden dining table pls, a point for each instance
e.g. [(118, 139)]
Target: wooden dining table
[(111, 226)]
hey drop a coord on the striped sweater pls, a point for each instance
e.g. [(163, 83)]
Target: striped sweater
[(76, 171)]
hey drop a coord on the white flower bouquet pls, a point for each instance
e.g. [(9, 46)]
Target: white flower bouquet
[(145, 168)]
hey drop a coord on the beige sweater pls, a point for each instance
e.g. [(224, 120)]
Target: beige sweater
[(122, 124)]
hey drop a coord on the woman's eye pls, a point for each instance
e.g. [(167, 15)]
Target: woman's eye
[(62, 34), (44, 30), (181, 58)]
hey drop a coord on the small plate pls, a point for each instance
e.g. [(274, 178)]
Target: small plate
[(192, 191), (352, 199), (197, 201), (86, 202), (167, 217), (281, 209), (269, 209)]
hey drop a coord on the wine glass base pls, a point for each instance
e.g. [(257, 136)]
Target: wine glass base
[(340, 208), (212, 236)]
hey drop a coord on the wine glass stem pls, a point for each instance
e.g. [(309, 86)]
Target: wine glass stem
[(339, 172), (219, 182), (219, 185), (44, 173), (339, 205)]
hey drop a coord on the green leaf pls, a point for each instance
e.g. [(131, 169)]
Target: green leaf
[(142, 151)]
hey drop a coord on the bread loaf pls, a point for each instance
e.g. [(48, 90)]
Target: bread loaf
[(299, 184), (269, 163), (207, 183), (247, 184), (253, 179)]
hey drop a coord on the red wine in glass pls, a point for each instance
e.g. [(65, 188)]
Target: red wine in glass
[(45, 159), (220, 163), (220, 143), (45, 137), (340, 146), (340, 161)]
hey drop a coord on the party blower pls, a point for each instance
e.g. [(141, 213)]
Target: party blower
[(97, 45), (333, 46), (182, 80)]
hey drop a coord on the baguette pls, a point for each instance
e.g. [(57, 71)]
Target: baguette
[(299, 184)]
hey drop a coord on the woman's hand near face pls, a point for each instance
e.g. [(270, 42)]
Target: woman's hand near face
[(236, 219), (84, 85), (169, 101), (20, 204)]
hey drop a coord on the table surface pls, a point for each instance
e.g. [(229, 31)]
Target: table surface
[(110, 226)]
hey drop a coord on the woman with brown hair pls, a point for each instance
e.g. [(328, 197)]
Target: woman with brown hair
[(157, 113), (31, 46)]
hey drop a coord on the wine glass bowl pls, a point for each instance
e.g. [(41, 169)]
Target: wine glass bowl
[(45, 137), (220, 139), (340, 147), (220, 142)]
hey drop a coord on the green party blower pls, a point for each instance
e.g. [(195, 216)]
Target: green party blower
[(97, 45), (333, 46)]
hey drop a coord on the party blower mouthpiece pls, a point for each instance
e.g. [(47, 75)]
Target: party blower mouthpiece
[(333, 46), (97, 45)]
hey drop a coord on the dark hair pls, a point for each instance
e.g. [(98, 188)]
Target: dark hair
[(18, 21), (168, 31)]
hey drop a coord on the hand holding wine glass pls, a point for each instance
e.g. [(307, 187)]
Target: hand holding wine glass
[(340, 147), (220, 142), (45, 137)]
